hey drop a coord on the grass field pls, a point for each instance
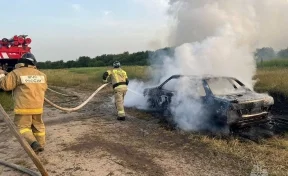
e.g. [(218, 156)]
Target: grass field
[(88, 78), (271, 79), (275, 63), (271, 154), (82, 78)]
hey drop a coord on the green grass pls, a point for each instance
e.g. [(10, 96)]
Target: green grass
[(6, 100), (276, 63), (271, 78), (88, 78)]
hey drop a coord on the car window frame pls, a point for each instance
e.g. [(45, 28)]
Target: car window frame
[(163, 84), (229, 79), (177, 77)]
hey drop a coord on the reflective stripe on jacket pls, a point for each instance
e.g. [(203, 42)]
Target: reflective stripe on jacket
[(117, 76), (29, 86)]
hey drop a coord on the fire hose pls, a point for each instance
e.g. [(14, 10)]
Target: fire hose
[(24, 143), (78, 107), (65, 95), (17, 167)]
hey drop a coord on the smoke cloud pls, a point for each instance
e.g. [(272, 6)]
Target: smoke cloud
[(134, 97), (216, 37), (257, 23)]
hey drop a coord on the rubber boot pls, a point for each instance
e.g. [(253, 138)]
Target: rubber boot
[(121, 118), (37, 147)]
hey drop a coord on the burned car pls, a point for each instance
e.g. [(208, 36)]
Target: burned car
[(228, 101)]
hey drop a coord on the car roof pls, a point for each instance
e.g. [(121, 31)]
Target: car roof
[(201, 76)]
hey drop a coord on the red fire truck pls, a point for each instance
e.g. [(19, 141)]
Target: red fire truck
[(12, 49)]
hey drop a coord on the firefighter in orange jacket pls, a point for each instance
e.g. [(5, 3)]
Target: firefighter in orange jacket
[(28, 85), (119, 79)]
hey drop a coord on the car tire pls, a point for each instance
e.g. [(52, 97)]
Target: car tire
[(267, 130), (168, 118), (222, 128)]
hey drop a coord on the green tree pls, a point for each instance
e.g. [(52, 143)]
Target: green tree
[(283, 53)]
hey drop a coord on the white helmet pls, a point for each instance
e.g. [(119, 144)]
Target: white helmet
[(116, 64)]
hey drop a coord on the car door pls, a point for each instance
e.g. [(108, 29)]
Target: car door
[(194, 89), (165, 93)]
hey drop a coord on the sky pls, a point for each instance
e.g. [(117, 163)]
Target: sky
[(65, 30)]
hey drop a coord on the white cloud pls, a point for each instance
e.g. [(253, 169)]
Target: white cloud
[(106, 12), (159, 6), (76, 7)]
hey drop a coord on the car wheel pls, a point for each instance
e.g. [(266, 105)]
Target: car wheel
[(221, 128), (267, 130), (224, 131), (167, 117)]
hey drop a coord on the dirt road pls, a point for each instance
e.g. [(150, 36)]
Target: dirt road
[(92, 142)]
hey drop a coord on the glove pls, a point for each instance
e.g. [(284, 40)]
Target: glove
[(2, 75)]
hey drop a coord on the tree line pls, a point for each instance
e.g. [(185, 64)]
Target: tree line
[(138, 58), (143, 58), (268, 53)]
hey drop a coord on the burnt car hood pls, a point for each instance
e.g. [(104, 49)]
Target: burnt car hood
[(247, 97)]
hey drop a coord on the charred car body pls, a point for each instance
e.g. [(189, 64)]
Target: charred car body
[(229, 102)]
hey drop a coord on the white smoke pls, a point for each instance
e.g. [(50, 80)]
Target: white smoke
[(134, 96), (217, 37), (218, 55), (256, 22)]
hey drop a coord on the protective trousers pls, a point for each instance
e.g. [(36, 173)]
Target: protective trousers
[(31, 127), (119, 94)]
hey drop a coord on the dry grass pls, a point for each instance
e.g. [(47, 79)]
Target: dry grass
[(272, 79), (271, 154)]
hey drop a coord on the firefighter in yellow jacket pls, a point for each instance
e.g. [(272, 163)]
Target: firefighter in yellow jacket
[(28, 85), (119, 79)]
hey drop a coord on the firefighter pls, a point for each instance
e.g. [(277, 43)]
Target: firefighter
[(29, 86), (119, 79)]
